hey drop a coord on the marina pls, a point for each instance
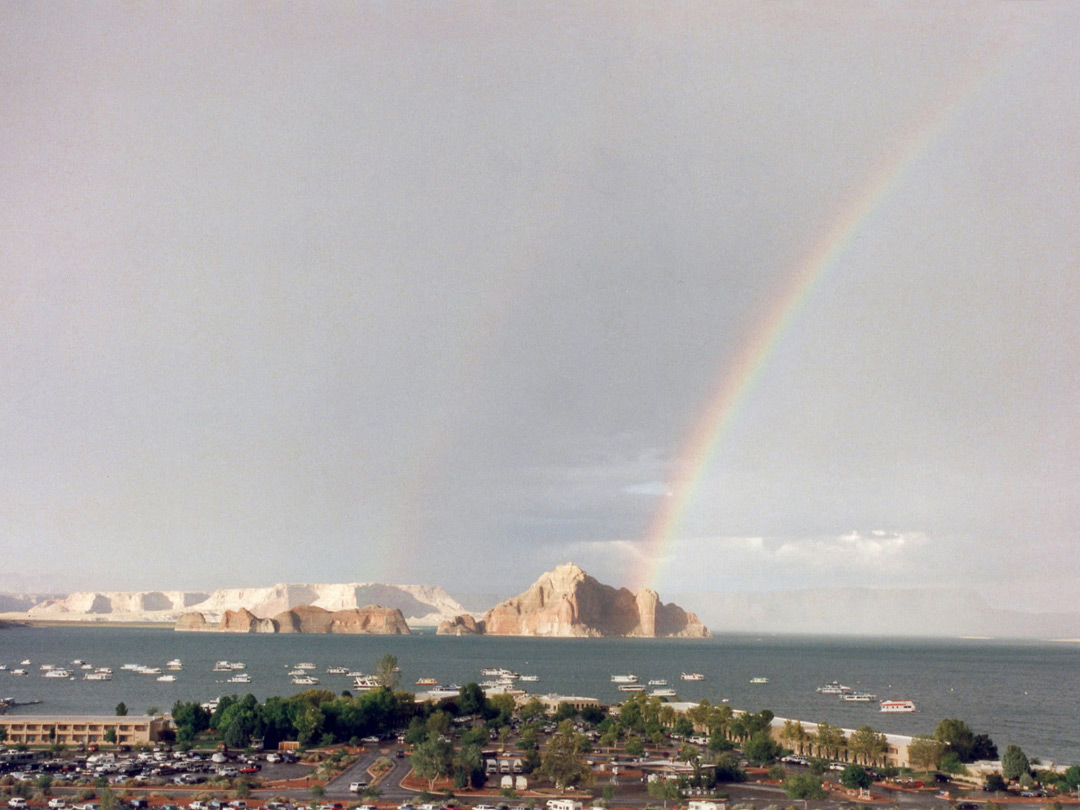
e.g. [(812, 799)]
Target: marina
[(1018, 692)]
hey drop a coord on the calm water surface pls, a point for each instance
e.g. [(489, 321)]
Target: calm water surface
[(1021, 692)]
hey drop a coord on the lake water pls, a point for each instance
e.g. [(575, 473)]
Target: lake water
[(1021, 692)]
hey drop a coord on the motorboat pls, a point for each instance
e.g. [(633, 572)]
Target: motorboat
[(631, 687), (166, 678), (662, 693), (658, 682), (692, 676), (239, 677), (624, 678), (859, 697), (759, 680)]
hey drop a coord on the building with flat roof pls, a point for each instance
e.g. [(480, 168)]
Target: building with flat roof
[(46, 729), (553, 702)]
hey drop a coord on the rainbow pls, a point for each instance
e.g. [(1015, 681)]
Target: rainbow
[(737, 380)]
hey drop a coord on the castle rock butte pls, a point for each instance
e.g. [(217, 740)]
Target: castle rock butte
[(567, 602)]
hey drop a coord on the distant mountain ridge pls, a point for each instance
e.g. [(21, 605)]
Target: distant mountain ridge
[(420, 604)]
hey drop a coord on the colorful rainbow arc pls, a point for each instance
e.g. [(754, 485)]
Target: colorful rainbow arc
[(738, 379)]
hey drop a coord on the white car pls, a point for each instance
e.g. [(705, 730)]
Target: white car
[(56, 803), (356, 787), (17, 803), (272, 758)]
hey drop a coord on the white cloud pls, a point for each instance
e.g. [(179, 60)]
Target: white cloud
[(658, 488)]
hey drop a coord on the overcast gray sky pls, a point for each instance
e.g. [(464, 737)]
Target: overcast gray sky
[(438, 293)]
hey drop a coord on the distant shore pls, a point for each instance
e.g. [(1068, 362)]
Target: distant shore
[(21, 621)]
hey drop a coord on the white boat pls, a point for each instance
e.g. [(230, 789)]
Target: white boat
[(631, 687), (19, 672), (859, 697), (305, 680), (175, 664), (897, 706), (166, 678), (337, 671), (25, 662), (530, 678), (149, 670), (97, 676), (440, 692), (658, 682), (624, 678), (759, 680), (305, 665), (365, 683), (56, 673), (240, 677), (692, 676), (427, 682), (662, 693), (834, 688)]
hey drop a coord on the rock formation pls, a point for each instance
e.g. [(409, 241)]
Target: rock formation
[(420, 604), (568, 602), (372, 619), (464, 625)]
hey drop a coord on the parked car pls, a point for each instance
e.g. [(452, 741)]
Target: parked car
[(17, 803), (56, 803), (356, 787)]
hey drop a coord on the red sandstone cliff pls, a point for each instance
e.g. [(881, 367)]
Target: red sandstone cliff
[(304, 619), (464, 625), (568, 602), (372, 619)]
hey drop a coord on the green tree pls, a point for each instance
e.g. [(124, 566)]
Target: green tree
[(866, 743), (957, 736), (433, 759), (110, 735), (438, 723), (855, 777), (386, 672), (830, 740), (761, 749), (470, 760), (44, 783), (803, 786), (994, 782), (109, 800), (1014, 762), (924, 753), (664, 789), (471, 699), (634, 746), (121, 709), (563, 760)]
